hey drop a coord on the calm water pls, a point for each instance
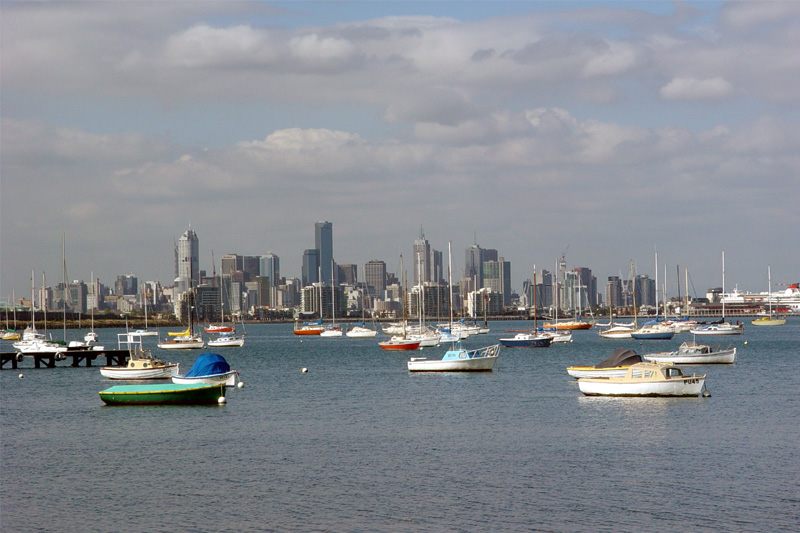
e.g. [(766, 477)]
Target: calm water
[(358, 443)]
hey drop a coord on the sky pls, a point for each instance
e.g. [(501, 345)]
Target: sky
[(600, 130)]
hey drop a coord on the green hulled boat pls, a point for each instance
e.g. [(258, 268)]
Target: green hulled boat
[(164, 394)]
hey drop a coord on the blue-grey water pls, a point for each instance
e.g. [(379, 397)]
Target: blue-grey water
[(359, 444)]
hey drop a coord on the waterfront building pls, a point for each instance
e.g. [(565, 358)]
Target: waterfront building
[(473, 264), (270, 266), (77, 292), (323, 240), (126, 284), (347, 274), (645, 291), (375, 277), (422, 259), (188, 257), (311, 267), (614, 292), (497, 277), (481, 299)]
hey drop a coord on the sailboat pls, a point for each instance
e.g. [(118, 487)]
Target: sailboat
[(770, 319), (227, 337), (184, 340), (623, 331), (32, 341), (11, 334), (655, 330), (457, 359), (332, 330), (721, 327), (401, 343), (361, 331), (532, 339), (147, 332), (426, 336)]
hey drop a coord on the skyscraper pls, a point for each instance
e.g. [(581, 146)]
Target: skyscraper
[(323, 239), (473, 264), (188, 261), (375, 276), (271, 267), (422, 259), (311, 267)]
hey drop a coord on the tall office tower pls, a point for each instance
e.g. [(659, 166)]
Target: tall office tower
[(78, 293), (473, 265), (375, 276), (422, 259), (230, 263), (645, 291), (614, 292), (270, 266), (189, 257), (587, 287), (127, 284), (323, 240), (497, 277), (490, 254), (346, 274), (311, 267), (251, 266), (437, 267)]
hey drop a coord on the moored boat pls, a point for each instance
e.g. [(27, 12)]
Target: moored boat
[(645, 379), (615, 366), (718, 328), (399, 344), (653, 331), (164, 394), (209, 368), (617, 332), (360, 331), (458, 359), (527, 340), (309, 328), (141, 365), (227, 340), (694, 353), (569, 325)]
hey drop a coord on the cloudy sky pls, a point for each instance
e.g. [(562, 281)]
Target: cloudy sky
[(606, 130)]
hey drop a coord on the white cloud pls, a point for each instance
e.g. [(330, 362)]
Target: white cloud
[(696, 89), (205, 46)]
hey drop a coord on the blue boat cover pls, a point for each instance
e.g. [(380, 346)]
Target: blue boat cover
[(208, 364)]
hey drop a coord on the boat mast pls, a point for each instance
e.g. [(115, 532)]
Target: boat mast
[(686, 288), (534, 300), (64, 275), (94, 303), (769, 290), (664, 292), (333, 294), (43, 304), (450, 283), (723, 285), (419, 294), (658, 305)]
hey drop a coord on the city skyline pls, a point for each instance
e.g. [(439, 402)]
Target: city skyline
[(603, 130)]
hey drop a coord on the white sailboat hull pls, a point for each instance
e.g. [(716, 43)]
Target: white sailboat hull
[(227, 342), (361, 333), (182, 344)]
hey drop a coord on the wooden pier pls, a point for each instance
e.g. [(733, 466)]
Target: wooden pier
[(75, 358)]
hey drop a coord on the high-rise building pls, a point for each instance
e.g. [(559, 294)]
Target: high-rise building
[(375, 276), (347, 274), (586, 287), (473, 264), (614, 292), (422, 259), (497, 277), (311, 267), (323, 240), (437, 267), (126, 285), (230, 263), (271, 267), (188, 253)]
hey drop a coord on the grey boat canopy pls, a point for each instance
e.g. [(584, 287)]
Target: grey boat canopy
[(620, 357)]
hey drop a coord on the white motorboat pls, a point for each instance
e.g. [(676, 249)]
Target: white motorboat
[(227, 340), (719, 328), (209, 368), (458, 359), (615, 366), (187, 342), (557, 336), (141, 365), (693, 353), (645, 379)]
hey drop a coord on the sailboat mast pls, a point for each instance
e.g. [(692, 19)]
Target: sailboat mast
[(64, 276), (658, 306), (534, 300), (450, 283), (723, 286), (33, 292), (769, 290)]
